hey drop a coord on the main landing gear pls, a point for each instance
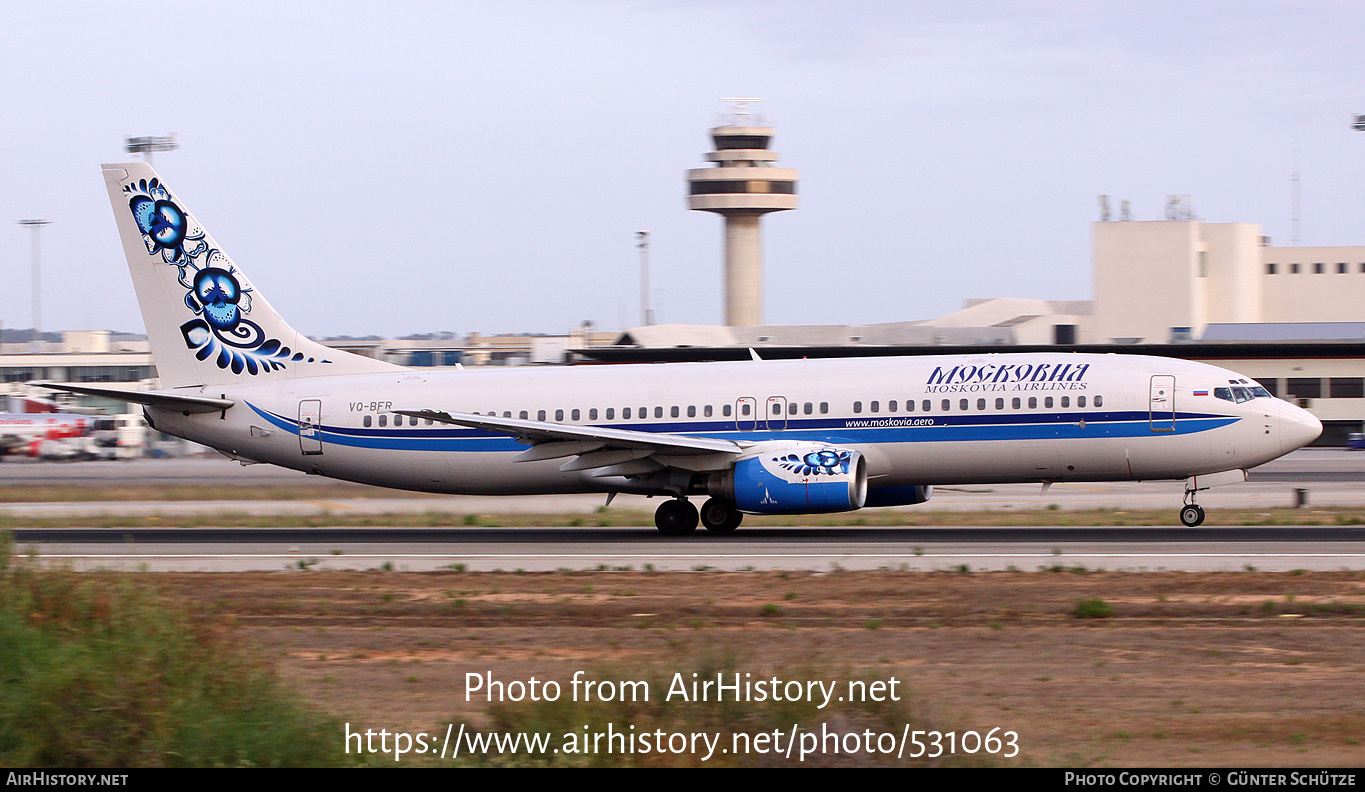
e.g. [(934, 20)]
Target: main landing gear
[(678, 517), (1192, 514), (720, 517)]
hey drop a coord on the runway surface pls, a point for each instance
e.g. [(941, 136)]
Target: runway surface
[(1331, 477), (1267, 548)]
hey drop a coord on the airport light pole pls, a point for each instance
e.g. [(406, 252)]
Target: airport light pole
[(35, 224), (147, 144), (642, 242)]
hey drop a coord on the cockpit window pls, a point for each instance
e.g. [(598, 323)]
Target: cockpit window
[(1239, 394)]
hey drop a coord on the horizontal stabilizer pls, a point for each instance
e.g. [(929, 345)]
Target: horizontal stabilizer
[(175, 401)]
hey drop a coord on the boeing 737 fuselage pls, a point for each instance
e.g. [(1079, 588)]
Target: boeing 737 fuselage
[(766, 437)]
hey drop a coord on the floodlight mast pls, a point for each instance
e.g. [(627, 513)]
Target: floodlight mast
[(642, 242), (35, 224), (147, 144)]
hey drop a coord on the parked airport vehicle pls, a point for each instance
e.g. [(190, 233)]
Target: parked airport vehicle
[(23, 434), (766, 437)]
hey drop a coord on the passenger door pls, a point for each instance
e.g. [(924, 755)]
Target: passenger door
[(1161, 403), (310, 427)]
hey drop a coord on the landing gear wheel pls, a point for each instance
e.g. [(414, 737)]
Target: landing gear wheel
[(720, 517), (1192, 515), (676, 518)]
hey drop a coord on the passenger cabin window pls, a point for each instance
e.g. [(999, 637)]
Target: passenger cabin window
[(706, 411), (857, 407), (592, 413), (659, 412), (725, 411), (876, 406), (1015, 403), (999, 404), (625, 413), (962, 404), (926, 405), (791, 409), (824, 408), (1047, 402), (1080, 401), (559, 415), (540, 415), (383, 420), (505, 414), (1099, 401), (367, 421), (980, 404), (573, 416), (691, 411), (946, 405), (891, 406), (1033, 402), (809, 408), (611, 413), (744, 409), (673, 411)]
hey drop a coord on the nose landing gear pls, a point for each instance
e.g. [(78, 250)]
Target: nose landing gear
[(1192, 514)]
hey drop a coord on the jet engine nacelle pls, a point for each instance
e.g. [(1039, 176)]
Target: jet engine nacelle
[(907, 495), (803, 478)]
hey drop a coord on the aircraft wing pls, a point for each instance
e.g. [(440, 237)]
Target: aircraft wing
[(608, 452)]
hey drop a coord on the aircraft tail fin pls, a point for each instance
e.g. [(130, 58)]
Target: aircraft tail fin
[(206, 323)]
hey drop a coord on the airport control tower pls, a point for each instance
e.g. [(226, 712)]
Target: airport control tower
[(743, 186)]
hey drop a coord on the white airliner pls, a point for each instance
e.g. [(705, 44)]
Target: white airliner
[(759, 437)]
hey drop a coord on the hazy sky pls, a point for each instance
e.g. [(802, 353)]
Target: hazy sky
[(394, 168)]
